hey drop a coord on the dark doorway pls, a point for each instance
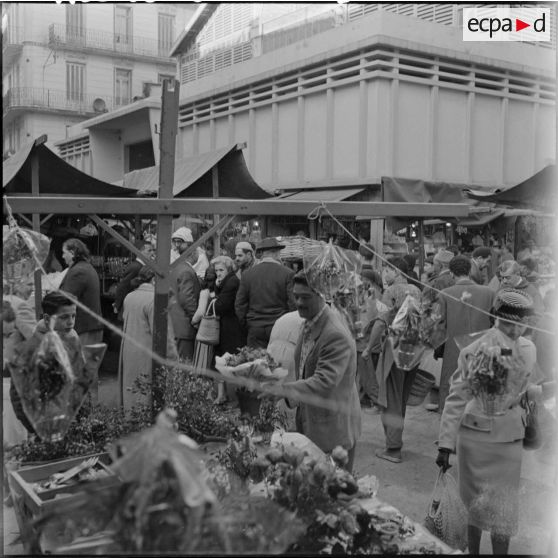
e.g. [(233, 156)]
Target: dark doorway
[(140, 155)]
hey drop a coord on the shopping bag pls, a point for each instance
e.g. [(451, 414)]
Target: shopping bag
[(533, 438), (447, 516), (209, 329)]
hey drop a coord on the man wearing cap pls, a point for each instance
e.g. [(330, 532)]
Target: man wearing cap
[(479, 262), (265, 294), (244, 257), (489, 447), (461, 308), (184, 294)]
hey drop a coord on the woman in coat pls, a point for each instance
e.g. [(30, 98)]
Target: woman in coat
[(489, 447), (231, 336), (138, 324), (82, 281)]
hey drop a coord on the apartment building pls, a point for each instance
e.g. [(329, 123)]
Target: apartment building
[(331, 94), (64, 63)]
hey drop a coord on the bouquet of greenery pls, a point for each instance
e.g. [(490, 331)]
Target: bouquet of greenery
[(405, 334)]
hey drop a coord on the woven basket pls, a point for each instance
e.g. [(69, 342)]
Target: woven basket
[(299, 247)]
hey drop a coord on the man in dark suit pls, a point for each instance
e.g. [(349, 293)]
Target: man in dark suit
[(184, 295), (265, 294), (325, 367), (460, 319), (131, 271)]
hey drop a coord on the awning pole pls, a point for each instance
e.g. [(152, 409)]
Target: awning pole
[(36, 220), (421, 246), (169, 127)]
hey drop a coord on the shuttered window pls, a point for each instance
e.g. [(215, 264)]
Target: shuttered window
[(75, 29), (122, 28), (75, 82), (166, 33)]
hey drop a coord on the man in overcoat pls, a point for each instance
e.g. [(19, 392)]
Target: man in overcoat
[(325, 368), (184, 295), (265, 294), (459, 318)]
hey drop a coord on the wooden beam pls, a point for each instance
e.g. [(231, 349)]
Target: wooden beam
[(231, 206), (49, 216), (167, 147), (127, 244), (216, 228), (36, 222), (30, 223)]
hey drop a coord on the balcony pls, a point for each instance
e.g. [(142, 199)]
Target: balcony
[(35, 98), (61, 36)]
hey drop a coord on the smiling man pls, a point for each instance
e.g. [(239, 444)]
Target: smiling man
[(325, 367)]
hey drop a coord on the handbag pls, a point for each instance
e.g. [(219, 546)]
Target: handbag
[(447, 516), (210, 326), (533, 438)]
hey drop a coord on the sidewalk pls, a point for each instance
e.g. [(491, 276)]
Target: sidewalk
[(408, 485)]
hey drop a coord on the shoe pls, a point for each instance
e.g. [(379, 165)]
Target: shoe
[(393, 456), (431, 407)]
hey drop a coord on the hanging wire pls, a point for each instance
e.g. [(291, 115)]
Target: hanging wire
[(323, 208)]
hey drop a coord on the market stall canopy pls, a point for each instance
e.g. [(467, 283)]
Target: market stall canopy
[(413, 190), (539, 192), (55, 175), (193, 176)]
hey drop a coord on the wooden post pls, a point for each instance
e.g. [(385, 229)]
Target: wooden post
[(36, 220), (421, 246), (167, 137), (215, 184)]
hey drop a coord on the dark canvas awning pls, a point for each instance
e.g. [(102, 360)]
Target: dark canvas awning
[(55, 175), (193, 176), (539, 192), (413, 190)]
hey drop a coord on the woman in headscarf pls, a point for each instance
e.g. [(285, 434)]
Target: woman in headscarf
[(138, 324), (489, 446)]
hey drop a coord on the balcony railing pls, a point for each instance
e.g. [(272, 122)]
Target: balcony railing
[(81, 37), (52, 99)]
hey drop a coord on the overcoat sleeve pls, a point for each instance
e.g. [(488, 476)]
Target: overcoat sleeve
[(225, 301), (75, 281), (186, 295), (241, 301)]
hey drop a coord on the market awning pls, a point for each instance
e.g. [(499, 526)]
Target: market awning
[(413, 190), (327, 195), (539, 192), (480, 219), (55, 175), (193, 176)]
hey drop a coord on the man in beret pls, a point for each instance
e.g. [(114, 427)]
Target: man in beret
[(244, 257), (264, 294), (184, 295)]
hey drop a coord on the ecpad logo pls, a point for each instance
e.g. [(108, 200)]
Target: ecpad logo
[(506, 24)]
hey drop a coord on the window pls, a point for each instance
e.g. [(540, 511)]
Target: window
[(122, 87), (166, 33), (122, 28), (75, 82), (75, 30)]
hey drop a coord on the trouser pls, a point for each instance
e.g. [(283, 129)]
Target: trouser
[(93, 338), (366, 374), (185, 348), (258, 336), (398, 388)]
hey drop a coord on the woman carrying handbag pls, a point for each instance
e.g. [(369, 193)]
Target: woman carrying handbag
[(204, 352)]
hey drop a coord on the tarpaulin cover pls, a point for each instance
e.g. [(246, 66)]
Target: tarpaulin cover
[(55, 175), (193, 177), (412, 190), (539, 192)]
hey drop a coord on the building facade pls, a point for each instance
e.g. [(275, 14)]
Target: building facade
[(339, 95), (64, 63)]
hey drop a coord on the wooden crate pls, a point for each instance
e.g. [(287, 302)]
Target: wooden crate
[(29, 504)]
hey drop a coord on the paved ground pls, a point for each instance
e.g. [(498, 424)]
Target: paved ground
[(408, 485)]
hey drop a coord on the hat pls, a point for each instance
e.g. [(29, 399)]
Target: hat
[(512, 304), (443, 257), (509, 267), (183, 233), (269, 243), (246, 246)]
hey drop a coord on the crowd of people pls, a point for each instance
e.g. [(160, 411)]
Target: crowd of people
[(333, 376)]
